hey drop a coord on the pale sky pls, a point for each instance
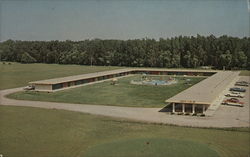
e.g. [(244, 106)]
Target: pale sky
[(121, 19)]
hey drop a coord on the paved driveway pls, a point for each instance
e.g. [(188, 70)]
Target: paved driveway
[(225, 116)]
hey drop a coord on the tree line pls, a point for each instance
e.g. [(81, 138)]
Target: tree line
[(176, 52)]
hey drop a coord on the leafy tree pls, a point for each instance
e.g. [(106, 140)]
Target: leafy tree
[(26, 58), (226, 59), (242, 59)]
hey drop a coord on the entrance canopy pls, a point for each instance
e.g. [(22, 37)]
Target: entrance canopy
[(206, 91)]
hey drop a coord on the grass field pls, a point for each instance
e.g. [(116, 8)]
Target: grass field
[(122, 94), (18, 75), (245, 73), (56, 133), (148, 147), (28, 132)]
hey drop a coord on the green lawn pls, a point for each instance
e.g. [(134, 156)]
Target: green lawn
[(148, 147), (18, 75), (245, 73), (123, 94), (28, 132)]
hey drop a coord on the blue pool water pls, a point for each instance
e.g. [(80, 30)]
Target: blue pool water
[(155, 82)]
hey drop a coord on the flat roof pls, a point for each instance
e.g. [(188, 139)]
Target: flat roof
[(205, 91), (176, 70), (79, 77), (98, 74)]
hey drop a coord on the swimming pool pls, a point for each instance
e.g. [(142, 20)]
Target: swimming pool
[(154, 82)]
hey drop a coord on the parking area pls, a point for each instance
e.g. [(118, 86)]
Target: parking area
[(240, 114)]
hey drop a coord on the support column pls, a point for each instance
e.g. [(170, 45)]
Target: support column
[(203, 108), (183, 108), (193, 108), (173, 108)]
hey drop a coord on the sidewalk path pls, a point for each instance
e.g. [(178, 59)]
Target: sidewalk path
[(225, 116)]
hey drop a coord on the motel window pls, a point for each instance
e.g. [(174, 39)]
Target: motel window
[(57, 86), (78, 82)]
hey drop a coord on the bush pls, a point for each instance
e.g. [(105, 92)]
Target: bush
[(202, 115)]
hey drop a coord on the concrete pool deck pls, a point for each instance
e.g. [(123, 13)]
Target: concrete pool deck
[(223, 117)]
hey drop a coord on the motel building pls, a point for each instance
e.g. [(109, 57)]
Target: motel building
[(195, 99), (199, 97), (53, 85)]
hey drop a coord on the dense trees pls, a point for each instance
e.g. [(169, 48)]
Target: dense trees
[(182, 51)]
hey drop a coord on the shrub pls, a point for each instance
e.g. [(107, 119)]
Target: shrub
[(202, 115), (194, 114)]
